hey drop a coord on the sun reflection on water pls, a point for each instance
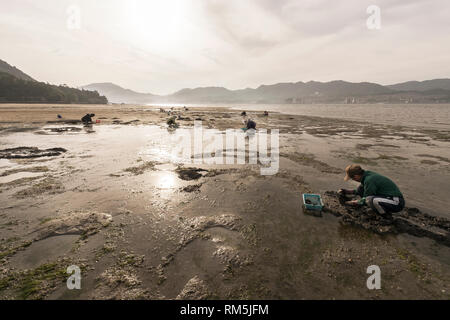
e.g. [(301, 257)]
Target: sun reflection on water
[(167, 180)]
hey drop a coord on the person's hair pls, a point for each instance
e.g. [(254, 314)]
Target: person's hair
[(358, 171)]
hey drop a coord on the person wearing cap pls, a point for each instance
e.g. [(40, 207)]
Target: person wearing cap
[(378, 192)]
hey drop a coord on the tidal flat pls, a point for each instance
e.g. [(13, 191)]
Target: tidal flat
[(142, 223)]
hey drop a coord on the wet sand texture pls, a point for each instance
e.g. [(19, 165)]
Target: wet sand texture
[(142, 224)]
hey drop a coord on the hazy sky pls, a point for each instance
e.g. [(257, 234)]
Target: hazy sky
[(161, 46)]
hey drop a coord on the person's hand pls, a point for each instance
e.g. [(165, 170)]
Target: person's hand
[(352, 203), (345, 191)]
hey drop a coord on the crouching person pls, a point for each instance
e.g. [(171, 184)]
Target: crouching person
[(380, 193)]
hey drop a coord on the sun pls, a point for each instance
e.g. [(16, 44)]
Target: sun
[(151, 24)]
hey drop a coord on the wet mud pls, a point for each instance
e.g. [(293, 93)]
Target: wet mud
[(48, 185), (63, 129), (195, 289), (143, 225), (192, 188), (30, 152), (141, 169), (83, 224), (411, 220), (189, 174)]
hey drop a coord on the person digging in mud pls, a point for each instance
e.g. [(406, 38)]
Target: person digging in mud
[(172, 123), (380, 193), (87, 119), (249, 124)]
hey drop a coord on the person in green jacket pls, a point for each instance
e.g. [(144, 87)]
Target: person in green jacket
[(378, 192)]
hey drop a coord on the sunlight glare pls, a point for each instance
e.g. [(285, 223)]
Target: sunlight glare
[(154, 24)]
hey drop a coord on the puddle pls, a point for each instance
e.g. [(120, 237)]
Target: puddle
[(20, 175), (392, 137), (60, 130), (166, 167), (53, 247), (5, 163), (165, 180)]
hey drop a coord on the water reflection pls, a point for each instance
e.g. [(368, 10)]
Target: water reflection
[(89, 128), (167, 180)]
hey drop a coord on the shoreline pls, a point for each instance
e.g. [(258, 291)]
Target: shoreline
[(422, 116)]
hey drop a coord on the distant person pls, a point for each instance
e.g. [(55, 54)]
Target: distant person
[(266, 113), (249, 124), (243, 113), (376, 191), (172, 123), (87, 119)]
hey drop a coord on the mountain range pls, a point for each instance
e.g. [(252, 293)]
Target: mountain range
[(430, 91)]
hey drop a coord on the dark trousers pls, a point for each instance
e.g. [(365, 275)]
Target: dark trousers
[(383, 204)]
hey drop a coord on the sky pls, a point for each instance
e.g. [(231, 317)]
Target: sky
[(161, 46)]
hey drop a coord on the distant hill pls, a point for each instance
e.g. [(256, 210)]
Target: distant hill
[(430, 91), (7, 68), (317, 92), (117, 94), (433, 91), (422, 85), (277, 93), (13, 89), (202, 95)]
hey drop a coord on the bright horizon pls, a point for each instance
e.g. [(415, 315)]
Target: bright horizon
[(161, 47)]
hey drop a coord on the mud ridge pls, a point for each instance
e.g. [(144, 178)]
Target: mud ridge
[(30, 152), (83, 224), (411, 220)]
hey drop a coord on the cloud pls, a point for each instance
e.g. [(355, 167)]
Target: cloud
[(161, 47)]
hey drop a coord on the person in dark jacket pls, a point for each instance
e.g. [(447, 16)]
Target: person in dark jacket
[(250, 124), (87, 119), (380, 193)]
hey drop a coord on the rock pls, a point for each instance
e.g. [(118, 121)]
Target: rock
[(195, 289), (84, 224), (189, 174), (192, 188)]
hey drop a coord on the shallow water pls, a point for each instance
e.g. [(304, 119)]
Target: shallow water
[(436, 116), (239, 219), (19, 175)]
